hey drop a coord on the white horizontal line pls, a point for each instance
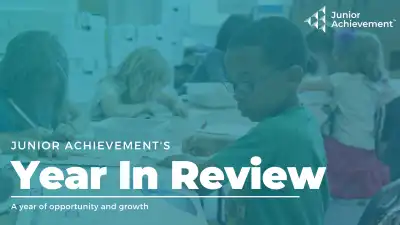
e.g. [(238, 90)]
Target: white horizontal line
[(144, 197)]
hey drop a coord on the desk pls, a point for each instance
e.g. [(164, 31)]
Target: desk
[(172, 129), (159, 128), (160, 211), (175, 130)]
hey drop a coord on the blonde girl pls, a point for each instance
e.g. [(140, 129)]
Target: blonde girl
[(354, 171), (138, 84)]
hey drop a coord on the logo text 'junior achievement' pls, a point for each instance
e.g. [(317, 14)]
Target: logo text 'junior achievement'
[(344, 20)]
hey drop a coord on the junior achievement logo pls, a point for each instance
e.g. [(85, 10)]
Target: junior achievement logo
[(344, 20), (318, 19)]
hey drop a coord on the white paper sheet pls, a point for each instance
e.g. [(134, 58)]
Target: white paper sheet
[(235, 130)]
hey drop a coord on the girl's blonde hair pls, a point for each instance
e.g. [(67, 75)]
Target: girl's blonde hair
[(144, 71), (365, 51)]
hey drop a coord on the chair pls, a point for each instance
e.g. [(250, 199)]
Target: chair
[(382, 205), (388, 135)]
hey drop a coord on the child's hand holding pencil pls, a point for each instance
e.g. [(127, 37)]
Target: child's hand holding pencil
[(204, 144), (63, 133)]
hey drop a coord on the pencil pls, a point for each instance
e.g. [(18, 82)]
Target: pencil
[(22, 114)]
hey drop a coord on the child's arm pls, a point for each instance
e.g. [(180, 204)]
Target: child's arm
[(77, 120), (322, 83), (387, 93), (71, 123), (203, 144), (172, 102), (112, 107), (70, 114), (73, 111), (167, 99)]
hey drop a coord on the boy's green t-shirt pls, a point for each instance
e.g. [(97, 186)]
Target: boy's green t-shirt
[(291, 139)]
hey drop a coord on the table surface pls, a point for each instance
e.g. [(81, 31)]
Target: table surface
[(171, 128), (164, 127)]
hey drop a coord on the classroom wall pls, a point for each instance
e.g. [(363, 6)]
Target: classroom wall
[(99, 38), (81, 34), (206, 16)]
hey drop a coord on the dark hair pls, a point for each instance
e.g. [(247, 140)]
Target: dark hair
[(231, 26), (319, 41), (189, 51), (282, 41), (30, 57), (33, 60)]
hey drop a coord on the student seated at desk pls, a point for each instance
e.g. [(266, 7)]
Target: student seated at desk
[(193, 55), (182, 74), (354, 170), (204, 144), (211, 68), (139, 83), (33, 87), (265, 63)]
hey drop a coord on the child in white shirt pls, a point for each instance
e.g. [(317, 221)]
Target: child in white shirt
[(354, 171)]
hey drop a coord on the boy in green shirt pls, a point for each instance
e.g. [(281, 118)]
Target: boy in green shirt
[(265, 63)]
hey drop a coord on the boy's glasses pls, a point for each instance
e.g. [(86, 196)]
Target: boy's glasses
[(229, 87), (242, 86), (249, 86)]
